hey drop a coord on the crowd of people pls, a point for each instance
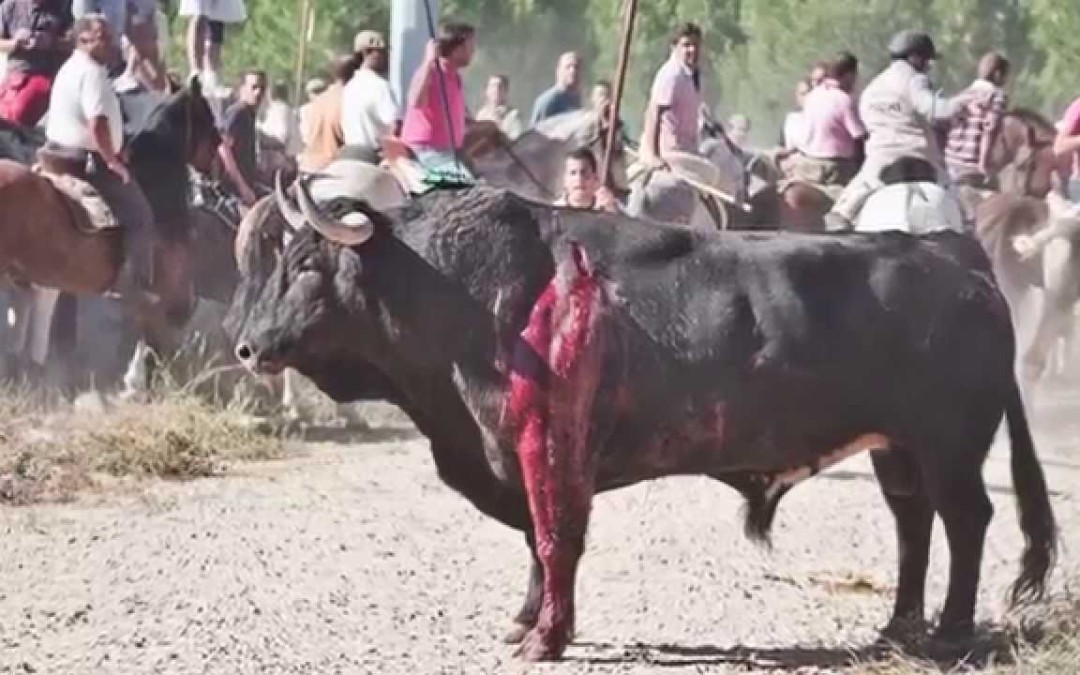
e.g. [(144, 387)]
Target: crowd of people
[(71, 59)]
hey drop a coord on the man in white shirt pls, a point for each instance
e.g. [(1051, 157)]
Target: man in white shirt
[(369, 111), (85, 128)]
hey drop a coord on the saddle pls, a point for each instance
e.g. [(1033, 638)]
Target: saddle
[(89, 211)]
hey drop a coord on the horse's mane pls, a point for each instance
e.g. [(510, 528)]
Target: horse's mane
[(159, 113), (1034, 119)]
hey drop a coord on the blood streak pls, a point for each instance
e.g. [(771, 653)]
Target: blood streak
[(551, 413)]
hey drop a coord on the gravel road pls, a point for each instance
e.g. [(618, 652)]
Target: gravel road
[(356, 559)]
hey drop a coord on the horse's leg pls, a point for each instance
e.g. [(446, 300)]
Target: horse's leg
[(173, 280), (1062, 287), (21, 300), (39, 328)]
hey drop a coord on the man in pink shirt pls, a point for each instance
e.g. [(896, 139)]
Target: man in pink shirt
[(424, 128), (673, 116), (831, 147)]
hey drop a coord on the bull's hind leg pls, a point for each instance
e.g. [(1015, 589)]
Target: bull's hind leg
[(902, 487), (959, 496)]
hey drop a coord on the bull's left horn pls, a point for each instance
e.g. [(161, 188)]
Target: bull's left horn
[(356, 232), (294, 218)]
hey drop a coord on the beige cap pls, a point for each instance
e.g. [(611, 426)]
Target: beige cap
[(368, 39)]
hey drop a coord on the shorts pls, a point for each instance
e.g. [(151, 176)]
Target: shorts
[(215, 11), (215, 32)]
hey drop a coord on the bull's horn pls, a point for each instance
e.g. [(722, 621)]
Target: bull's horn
[(356, 232), (294, 218)]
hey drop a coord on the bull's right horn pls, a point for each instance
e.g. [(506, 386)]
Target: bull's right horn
[(294, 218), (356, 232)]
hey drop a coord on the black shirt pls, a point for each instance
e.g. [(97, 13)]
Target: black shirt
[(238, 125)]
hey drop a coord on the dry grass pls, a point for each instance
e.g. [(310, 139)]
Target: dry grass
[(50, 451), (1041, 639)]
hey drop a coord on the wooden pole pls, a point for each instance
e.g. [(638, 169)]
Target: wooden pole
[(307, 26), (629, 15)]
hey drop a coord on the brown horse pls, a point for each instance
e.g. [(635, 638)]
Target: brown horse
[(46, 238), (1023, 166)]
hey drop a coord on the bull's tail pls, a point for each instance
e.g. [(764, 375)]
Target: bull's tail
[(1033, 503)]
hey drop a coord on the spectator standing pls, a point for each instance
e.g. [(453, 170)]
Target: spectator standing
[(279, 120), (36, 37), (240, 139), (497, 108), (565, 95), (206, 35)]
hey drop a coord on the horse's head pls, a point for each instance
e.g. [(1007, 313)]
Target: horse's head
[(201, 136), (1022, 158), (182, 128)]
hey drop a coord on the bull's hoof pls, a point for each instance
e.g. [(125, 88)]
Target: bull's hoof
[(516, 634), (905, 631), (541, 645), (950, 644)]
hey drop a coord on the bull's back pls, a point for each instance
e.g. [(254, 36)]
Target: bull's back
[(719, 309)]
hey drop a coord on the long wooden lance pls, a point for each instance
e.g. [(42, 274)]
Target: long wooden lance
[(307, 29), (629, 15)]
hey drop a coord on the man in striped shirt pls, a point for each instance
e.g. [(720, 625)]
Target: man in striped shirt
[(975, 129)]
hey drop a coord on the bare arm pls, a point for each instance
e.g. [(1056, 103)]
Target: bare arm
[(1065, 145), (19, 40), (99, 129), (651, 136), (990, 132), (932, 107), (232, 170), (421, 82)]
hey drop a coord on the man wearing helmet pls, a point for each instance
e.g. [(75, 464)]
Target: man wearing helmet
[(900, 110)]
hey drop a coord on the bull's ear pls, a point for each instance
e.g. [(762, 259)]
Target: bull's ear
[(195, 86)]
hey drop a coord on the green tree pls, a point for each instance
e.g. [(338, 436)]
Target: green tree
[(270, 38), (1054, 29)]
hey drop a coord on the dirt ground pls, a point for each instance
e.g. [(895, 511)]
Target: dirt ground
[(356, 559)]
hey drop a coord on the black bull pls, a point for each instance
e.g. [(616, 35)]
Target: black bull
[(550, 355)]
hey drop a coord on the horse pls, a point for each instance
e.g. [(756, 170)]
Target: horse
[(48, 243), (1023, 166)]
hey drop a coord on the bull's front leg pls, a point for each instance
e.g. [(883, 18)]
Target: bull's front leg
[(529, 613), (560, 499), (553, 410)]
